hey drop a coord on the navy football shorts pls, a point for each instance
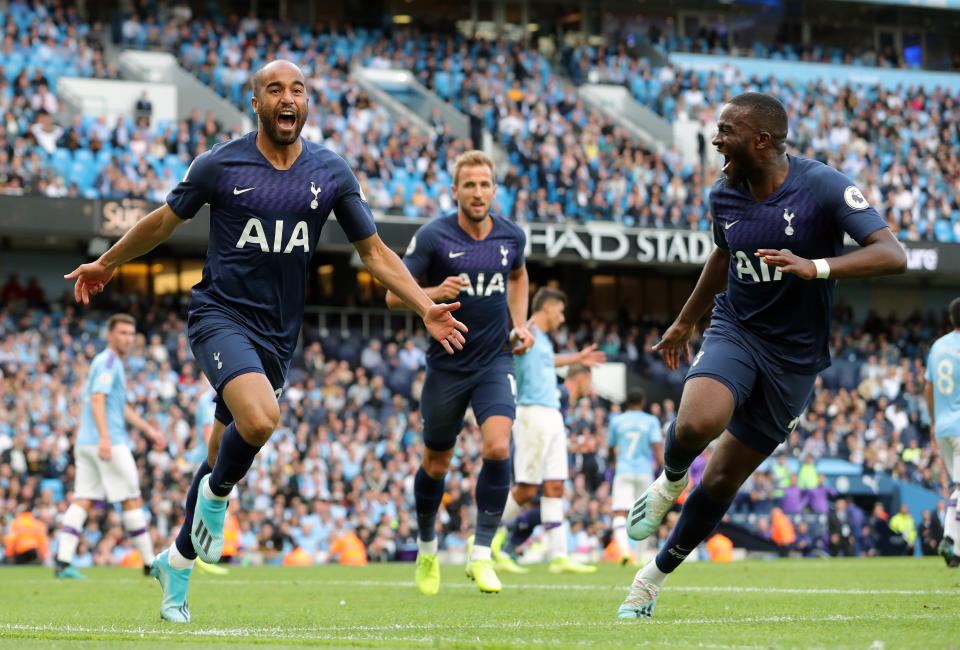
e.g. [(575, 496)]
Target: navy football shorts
[(224, 350), (490, 390), (769, 399)]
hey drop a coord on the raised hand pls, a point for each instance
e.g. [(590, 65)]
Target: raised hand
[(675, 339), (444, 327), (522, 339), (450, 288), (788, 263), (591, 356), (91, 279)]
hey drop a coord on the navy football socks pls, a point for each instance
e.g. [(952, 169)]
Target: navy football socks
[(234, 460), (428, 494), (698, 518), (493, 487), (521, 528), (184, 545), (677, 458)]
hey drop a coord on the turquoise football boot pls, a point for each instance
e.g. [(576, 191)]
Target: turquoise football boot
[(640, 601), (208, 518), (174, 583)]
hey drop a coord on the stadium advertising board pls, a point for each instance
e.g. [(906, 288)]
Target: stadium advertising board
[(599, 243)]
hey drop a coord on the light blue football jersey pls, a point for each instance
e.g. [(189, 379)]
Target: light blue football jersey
[(106, 376), (536, 373), (632, 433), (943, 371)]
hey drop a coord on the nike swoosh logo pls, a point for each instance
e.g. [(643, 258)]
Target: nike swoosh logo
[(453, 255), (239, 191), (725, 227)]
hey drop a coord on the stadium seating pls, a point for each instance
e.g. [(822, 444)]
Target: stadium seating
[(333, 425)]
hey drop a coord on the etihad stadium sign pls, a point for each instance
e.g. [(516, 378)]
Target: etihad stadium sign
[(605, 243)]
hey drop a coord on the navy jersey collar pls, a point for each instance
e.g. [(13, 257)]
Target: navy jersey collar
[(456, 223), (252, 139), (787, 183)]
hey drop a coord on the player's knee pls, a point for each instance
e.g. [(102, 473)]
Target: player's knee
[(496, 449), (553, 489), (257, 428), (524, 493), (436, 468), (86, 504), (132, 504), (695, 431)]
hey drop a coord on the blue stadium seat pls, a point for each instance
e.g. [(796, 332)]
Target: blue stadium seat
[(943, 231), (84, 156), (55, 486)]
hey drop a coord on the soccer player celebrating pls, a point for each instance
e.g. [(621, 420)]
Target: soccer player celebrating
[(478, 257), (105, 469), (943, 402), (540, 436), (270, 192), (635, 442), (778, 222)]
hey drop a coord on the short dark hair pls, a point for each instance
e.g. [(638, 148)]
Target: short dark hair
[(636, 397), (114, 320), (955, 312), (769, 115), (545, 295), (257, 80), (576, 369)]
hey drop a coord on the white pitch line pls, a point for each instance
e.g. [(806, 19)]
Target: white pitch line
[(568, 587), (324, 632)]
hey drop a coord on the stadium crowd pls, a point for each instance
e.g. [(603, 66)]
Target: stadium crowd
[(566, 162), (335, 481)]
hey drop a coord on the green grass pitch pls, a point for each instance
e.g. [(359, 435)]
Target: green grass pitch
[(868, 603)]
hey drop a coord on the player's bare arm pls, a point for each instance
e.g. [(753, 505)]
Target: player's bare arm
[(155, 435), (449, 289), (143, 237), (518, 297), (881, 254), (928, 395), (386, 266), (713, 280), (98, 407), (589, 356), (657, 448)]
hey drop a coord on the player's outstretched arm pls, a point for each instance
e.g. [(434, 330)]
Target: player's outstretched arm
[(155, 435), (449, 289), (98, 408), (146, 234), (518, 297), (928, 396), (386, 266), (881, 254), (713, 280), (589, 356)]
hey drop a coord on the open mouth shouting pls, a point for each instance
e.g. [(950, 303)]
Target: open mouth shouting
[(287, 120)]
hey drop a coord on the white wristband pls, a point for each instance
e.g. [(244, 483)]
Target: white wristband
[(823, 268)]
